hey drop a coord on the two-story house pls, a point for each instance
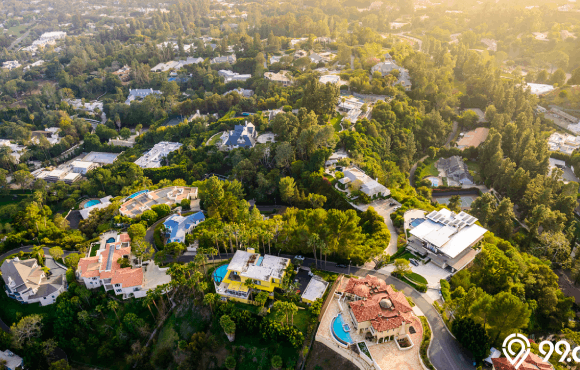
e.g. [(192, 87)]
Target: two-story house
[(27, 282), (177, 226), (375, 308), (265, 273), (105, 270)]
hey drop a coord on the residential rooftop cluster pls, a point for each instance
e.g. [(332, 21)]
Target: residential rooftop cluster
[(143, 201)]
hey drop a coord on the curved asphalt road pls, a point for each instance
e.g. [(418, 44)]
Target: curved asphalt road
[(445, 352)]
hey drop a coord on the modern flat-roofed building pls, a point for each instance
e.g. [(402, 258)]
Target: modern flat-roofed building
[(101, 157), (266, 272), (83, 167), (314, 290), (152, 159), (447, 238)]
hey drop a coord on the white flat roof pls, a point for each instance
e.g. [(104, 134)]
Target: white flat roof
[(82, 164), (315, 289), (448, 232), (101, 157)]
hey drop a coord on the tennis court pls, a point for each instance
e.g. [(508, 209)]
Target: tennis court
[(466, 200)]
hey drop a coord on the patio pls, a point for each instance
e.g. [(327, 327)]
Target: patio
[(386, 355)]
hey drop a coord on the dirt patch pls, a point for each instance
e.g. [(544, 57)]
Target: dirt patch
[(323, 358), (566, 284)]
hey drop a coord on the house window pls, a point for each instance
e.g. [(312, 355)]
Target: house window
[(117, 285), (118, 290), (257, 282)]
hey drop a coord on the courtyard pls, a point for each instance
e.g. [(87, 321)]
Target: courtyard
[(386, 355)]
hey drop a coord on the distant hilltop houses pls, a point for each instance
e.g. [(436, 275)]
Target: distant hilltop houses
[(47, 38), (140, 94)]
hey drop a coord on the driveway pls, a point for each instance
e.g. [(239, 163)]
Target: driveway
[(384, 209), (445, 352), (432, 273)]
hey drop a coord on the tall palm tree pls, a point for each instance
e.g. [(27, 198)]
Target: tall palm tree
[(211, 299), (151, 296), (147, 302), (313, 242), (113, 305)]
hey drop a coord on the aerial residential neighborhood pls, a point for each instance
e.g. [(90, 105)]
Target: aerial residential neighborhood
[(313, 185)]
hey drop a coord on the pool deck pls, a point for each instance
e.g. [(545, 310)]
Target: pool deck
[(386, 355)]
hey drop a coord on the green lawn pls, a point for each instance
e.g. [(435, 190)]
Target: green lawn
[(302, 319), (94, 250), (214, 140), (445, 182), (16, 30), (429, 169), (473, 166), (406, 256), (416, 277), (11, 311), (335, 122)]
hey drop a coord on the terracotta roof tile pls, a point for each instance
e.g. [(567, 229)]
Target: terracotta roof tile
[(373, 291), (532, 362), (128, 277)]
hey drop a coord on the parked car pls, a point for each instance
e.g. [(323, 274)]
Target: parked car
[(414, 262), (300, 258), (341, 265), (396, 208), (392, 204)]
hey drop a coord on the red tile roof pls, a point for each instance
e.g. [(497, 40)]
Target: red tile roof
[(372, 290), (532, 362), (91, 267), (128, 277)]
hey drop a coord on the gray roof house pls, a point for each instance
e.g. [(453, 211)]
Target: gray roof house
[(140, 94), (455, 169), (28, 283), (388, 66), (242, 137), (225, 59)]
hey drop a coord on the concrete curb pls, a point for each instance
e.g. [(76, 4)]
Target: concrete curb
[(444, 323)]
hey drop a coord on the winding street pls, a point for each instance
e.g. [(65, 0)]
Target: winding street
[(445, 352)]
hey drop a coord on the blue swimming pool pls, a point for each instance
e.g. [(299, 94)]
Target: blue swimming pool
[(92, 202), (259, 263), (338, 329), (220, 273), (435, 183), (111, 240), (417, 222), (137, 194)]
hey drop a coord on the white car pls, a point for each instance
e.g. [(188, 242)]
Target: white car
[(299, 258)]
